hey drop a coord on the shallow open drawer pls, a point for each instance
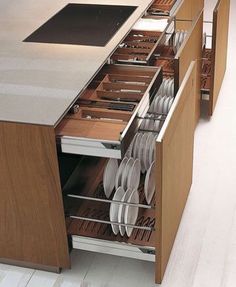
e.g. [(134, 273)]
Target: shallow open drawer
[(164, 7), (140, 44), (108, 112), (215, 56)]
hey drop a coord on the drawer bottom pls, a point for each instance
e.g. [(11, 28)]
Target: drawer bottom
[(113, 248)]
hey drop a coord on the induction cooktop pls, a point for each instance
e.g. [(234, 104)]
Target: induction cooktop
[(83, 24)]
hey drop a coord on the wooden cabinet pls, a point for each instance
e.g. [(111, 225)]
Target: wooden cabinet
[(51, 183)]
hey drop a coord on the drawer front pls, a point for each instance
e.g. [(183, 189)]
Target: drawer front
[(191, 51), (189, 9), (109, 111), (219, 50), (174, 169)]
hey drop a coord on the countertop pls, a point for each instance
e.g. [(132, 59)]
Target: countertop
[(38, 81)]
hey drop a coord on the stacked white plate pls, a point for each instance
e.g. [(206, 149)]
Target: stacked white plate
[(126, 182), (179, 37)]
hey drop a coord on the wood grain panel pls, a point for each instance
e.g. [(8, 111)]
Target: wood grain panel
[(174, 169), (32, 224), (189, 9), (191, 51), (220, 47)]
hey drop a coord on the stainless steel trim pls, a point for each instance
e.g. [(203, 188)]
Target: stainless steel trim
[(114, 248), (110, 201), (111, 222)]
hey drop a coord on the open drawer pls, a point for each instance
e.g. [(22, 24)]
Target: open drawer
[(164, 7), (87, 205), (215, 55), (107, 114), (140, 44)]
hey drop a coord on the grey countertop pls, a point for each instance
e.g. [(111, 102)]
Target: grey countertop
[(39, 82)]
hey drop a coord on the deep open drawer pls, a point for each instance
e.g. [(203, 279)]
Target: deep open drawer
[(87, 209), (215, 55), (109, 111)]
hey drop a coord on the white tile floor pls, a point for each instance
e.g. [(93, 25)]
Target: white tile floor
[(204, 254)]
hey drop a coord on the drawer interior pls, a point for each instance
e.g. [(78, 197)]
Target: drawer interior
[(105, 108), (138, 46), (86, 205), (162, 7), (87, 182)]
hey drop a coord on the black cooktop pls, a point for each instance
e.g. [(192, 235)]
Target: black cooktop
[(83, 24)]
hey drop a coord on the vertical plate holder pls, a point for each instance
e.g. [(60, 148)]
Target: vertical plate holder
[(174, 166), (110, 148)]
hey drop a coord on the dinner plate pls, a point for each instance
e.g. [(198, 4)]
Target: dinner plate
[(114, 209), (131, 212), (169, 88), (157, 126), (165, 87), (148, 147), (130, 148), (121, 210), (172, 88), (137, 145), (176, 41), (125, 173), (109, 176), (142, 151), (150, 184), (152, 151), (119, 172), (134, 175), (160, 105), (157, 100), (166, 105)]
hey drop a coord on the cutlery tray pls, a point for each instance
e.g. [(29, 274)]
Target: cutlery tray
[(162, 7), (138, 47), (105, 118)]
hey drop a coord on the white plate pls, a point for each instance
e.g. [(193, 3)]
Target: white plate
[(152, 151), (176, 41), (166, 105), (121, 211), (172, 88), (114, 209), (125, 173), (131, 212), (142, 151), (119, 172), (149, 143), (150, 183), (109, 176), (155, 106), (130, 148), (134, 175), (137, 145), (160, 105), (157, 126), (169, 88), (165, 86)]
